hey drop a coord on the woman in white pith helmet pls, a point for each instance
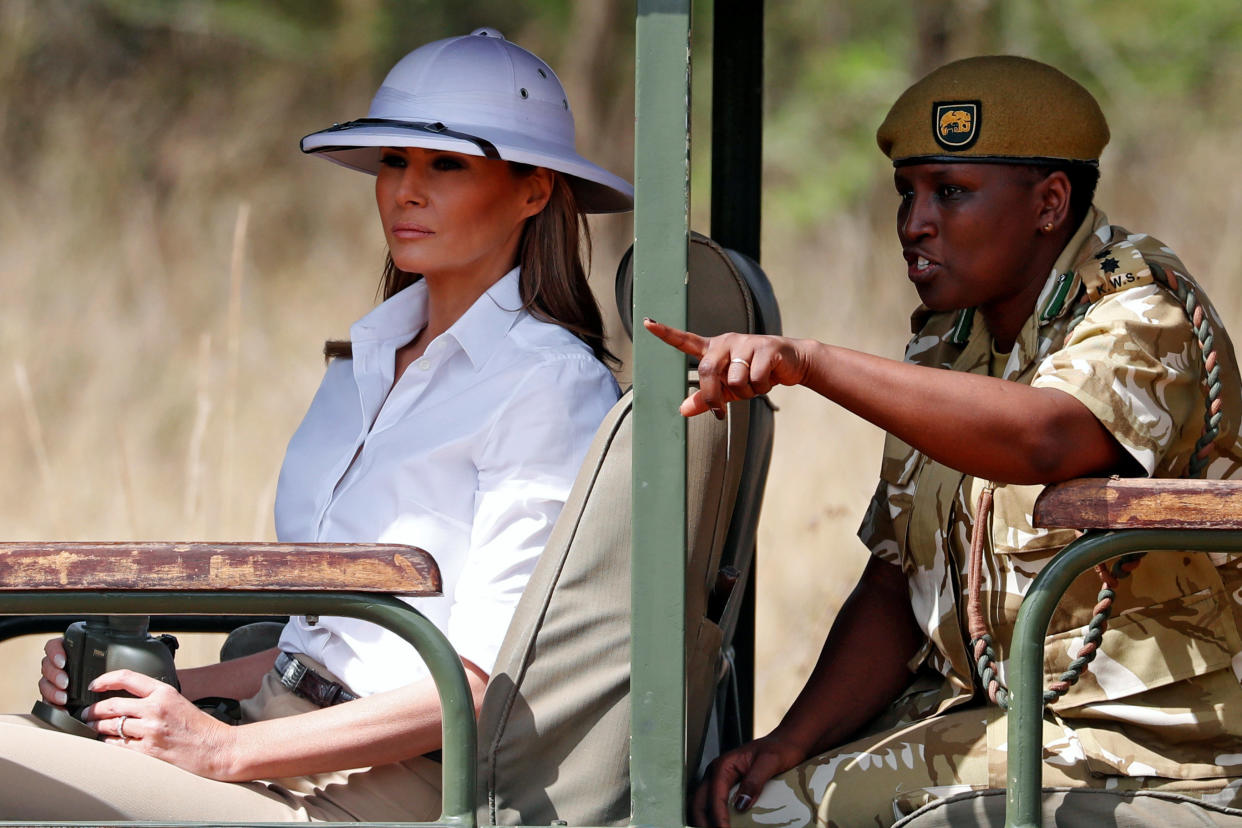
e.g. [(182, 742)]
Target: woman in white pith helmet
[(455, 419)]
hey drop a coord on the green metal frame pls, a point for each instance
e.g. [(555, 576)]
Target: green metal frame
[(661, 250), (1026, 706), (460, 731)]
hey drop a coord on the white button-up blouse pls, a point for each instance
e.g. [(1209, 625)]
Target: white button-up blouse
[(470, 456)]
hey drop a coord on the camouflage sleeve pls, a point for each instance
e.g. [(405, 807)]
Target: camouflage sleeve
[(888, 514), (876, 531), (1132, 361)]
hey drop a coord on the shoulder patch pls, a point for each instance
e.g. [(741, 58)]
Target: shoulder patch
[(1117, 267)]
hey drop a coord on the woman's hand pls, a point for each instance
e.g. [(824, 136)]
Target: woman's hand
[(735, 366), (160, 722), (54, 680), (749, 767)]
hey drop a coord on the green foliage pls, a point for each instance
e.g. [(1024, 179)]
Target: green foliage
[(833, 70), (820, 144), (285, 30)]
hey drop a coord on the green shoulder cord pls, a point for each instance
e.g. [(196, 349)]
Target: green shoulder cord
[(980, 638)]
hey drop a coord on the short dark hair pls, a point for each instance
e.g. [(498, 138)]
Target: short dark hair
[(1083, 178)]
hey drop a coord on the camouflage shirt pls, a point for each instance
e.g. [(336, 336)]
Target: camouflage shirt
[(1163, 697)]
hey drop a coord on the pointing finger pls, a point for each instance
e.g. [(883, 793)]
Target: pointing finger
[(684, 341), (694, 405)]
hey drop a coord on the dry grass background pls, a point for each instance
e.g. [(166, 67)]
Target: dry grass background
[(170, 266)]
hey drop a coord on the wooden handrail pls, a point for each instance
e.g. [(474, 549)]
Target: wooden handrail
[(1140, 503), (349, 567)]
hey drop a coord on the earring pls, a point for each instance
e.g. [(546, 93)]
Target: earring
[(1048, 227)]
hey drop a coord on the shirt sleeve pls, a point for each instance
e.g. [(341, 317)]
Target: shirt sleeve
[(1132, 361), (526, 468), (888, 514), (876, 530)]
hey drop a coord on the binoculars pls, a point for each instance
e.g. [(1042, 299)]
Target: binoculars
[(101, 644)]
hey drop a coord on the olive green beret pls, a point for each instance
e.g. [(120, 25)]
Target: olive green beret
[(996, 108)]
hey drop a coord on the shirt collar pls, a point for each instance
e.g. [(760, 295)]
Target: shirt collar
[(1058, 293), (479, 331), (482, 328), (402, 315), (1058, 296), (1064, 283)]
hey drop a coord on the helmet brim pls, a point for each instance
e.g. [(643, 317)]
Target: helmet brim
[(357, 148)]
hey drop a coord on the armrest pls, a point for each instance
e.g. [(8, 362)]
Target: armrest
[(263, 578), (1140, 503), (313, 567)]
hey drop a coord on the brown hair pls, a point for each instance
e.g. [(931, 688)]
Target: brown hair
[(554, 254)]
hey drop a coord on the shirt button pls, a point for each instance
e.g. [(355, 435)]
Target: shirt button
[(423, 365)]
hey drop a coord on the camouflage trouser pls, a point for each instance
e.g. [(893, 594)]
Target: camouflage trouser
[(879, 779)]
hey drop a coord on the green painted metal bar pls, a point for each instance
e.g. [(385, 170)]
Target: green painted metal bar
[(460, 752), (1026, 707), (661, 228)]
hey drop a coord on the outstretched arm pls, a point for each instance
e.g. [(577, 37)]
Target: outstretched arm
[(985, 427), (861, 669)]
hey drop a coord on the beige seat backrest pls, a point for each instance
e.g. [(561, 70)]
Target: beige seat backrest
[(555, 723)]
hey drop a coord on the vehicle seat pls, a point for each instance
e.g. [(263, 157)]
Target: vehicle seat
[(1078, 806), (555, 722)]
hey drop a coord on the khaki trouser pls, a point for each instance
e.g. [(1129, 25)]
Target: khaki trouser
[(878, 779), (49, 775)]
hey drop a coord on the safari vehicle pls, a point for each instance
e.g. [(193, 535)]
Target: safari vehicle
[(662, 520)]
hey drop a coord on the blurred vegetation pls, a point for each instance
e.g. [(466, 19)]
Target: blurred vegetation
[(1162, 69), (171, 263)]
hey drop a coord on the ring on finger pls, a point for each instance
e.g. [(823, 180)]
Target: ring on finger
[(120, 730), (739, 361)]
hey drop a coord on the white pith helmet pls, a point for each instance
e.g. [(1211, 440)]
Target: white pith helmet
[(479, 95)]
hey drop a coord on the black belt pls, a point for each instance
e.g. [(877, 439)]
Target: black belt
[(305, 682)]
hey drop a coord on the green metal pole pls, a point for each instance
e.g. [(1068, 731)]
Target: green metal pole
[(661, 178), (460, 752), (1026, 706)]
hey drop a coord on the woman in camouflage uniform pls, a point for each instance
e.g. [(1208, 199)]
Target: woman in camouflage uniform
[(1067, 355)]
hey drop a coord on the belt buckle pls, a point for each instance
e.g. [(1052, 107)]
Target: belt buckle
[(293, 674)]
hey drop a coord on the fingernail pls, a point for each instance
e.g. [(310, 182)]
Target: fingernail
[(742, 802), (59, 660), (60, 697), (62, 681), (649, 319)]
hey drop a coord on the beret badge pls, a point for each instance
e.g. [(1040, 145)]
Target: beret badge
[(955, 124)]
